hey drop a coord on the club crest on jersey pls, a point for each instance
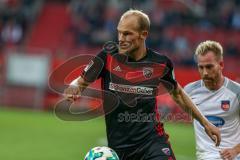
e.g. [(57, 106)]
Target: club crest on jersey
[(225, 105), (147, 72)]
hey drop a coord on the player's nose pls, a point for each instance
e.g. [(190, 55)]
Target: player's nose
[(120, 37), (205, 73)]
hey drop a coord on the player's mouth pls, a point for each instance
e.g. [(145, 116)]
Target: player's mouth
[(208, 81), (124, 45)]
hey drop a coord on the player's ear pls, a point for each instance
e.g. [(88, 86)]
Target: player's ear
[(144, 34), (221, 63)]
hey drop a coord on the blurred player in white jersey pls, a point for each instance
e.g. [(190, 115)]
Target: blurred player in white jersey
[(218, 98)]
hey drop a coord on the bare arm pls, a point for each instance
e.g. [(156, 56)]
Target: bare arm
[(75, 89), (230, 153), (184, 101), (237, 148)]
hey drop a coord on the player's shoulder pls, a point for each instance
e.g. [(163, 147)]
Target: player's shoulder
[(109, 49), (192, 86), (160, 58), (233, 86)]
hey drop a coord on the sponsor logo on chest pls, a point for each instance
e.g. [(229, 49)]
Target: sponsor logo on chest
[(130, 89), (215, 120)]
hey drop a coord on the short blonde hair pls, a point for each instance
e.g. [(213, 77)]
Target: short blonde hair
[(209, 45), (143, 19)]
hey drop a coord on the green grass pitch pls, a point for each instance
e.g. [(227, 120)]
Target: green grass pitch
[(29, 135)]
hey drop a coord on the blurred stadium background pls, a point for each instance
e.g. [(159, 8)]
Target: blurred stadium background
[(36, 36)]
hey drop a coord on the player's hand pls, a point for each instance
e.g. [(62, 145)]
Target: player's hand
[(72, 93), (228, 154), (213, 132)]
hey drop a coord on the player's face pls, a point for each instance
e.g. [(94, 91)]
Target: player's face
[(129, 36), (210, 69)]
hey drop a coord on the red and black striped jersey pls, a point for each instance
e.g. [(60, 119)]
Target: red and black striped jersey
[(135, 84)]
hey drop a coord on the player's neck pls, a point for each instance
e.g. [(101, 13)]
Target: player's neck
[(220, 82), (139, 54)]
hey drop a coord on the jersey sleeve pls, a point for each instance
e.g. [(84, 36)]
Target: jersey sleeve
[(94, 69), (187, 88), (169, 75)]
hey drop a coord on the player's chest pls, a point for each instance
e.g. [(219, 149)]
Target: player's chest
[(218, 103), (120, 70)]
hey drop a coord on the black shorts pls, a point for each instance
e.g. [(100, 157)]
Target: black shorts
[(155, 149)]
